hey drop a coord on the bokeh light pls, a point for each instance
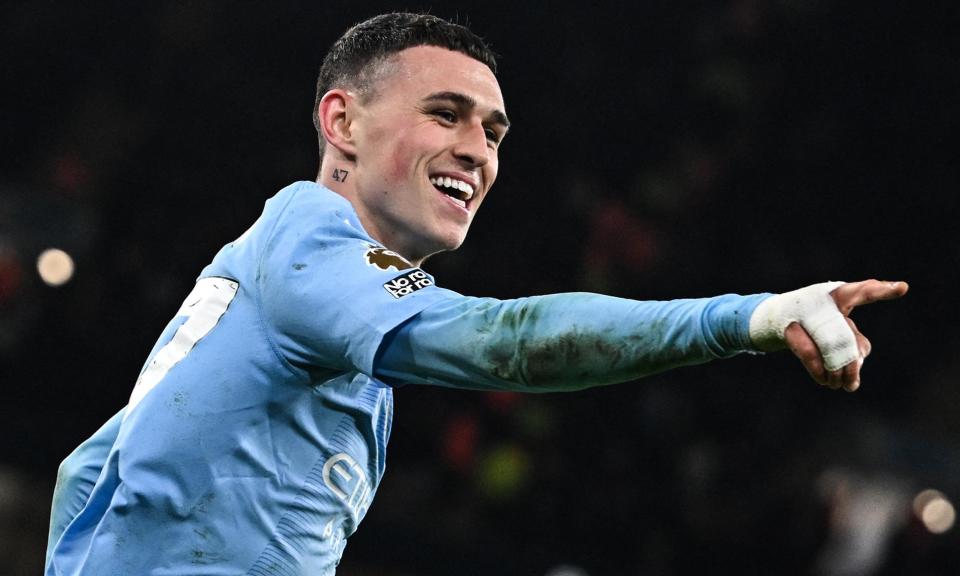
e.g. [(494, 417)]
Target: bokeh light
[(935, 511), (504, 471), (55, 267), (10, 272), (567, 570)]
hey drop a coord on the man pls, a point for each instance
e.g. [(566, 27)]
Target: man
[(255, 436)]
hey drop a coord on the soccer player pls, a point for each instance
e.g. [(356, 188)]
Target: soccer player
[(254, 438)]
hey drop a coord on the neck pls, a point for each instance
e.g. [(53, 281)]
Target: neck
[(337, 175)]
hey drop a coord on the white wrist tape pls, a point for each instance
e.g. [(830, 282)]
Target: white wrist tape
[(813, 307)]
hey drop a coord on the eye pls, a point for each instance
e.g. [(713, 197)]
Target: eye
[(448, 116), (492, 135)]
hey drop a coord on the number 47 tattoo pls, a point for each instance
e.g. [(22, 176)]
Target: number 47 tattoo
[(340, 175)]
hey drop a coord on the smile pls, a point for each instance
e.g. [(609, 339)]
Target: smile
[(459, 191)]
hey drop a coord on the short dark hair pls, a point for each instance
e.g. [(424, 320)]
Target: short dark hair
[(353, 60)]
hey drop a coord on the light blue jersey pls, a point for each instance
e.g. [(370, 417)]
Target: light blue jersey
[(255, 437)]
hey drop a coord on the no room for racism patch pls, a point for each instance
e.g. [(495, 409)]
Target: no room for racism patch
[(408, 283)]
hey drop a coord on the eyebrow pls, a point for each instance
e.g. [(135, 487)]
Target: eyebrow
[(497, 116)]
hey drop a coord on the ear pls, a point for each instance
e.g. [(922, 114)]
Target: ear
[(334, 116)]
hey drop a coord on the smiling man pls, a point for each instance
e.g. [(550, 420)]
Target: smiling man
[(419, 151), (255, 436)]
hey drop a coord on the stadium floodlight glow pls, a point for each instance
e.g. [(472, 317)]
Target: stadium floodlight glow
[(935, 511), (55, 267)]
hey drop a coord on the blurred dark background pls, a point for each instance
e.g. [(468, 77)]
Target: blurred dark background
[(671, 149)]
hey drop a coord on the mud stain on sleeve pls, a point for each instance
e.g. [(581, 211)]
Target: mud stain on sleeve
[(579, 357)]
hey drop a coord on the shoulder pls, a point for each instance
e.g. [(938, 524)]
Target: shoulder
[(309, 208)]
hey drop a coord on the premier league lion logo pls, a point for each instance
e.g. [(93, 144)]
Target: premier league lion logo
[(385, 259)]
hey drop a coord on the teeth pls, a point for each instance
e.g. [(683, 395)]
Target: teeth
[(448, 182)]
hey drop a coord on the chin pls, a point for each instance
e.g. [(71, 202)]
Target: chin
[(447, 244), (456, 242)]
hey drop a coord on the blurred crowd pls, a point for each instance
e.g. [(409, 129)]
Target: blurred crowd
[(660, 151)]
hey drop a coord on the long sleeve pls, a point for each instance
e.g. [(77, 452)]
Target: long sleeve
[(561, 341)]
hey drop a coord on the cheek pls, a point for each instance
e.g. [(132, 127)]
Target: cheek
[(401, 156), (492, 168), (398, 163), (490, 171)]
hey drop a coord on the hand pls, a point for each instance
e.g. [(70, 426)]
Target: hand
[(847, 297)]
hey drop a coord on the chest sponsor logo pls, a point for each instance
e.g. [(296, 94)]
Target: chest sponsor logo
[(408, 283), (385, 259)]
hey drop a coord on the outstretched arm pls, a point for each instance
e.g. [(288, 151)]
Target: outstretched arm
[(574, 341), (561, 341)]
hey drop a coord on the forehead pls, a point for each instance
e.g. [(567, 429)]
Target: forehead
[(423, 70)]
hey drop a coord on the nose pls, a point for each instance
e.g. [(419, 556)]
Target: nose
[(471, 148)]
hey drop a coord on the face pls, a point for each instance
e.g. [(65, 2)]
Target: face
[(426, 150)]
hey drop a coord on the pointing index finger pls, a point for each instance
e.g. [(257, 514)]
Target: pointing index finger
[(854, 294)]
